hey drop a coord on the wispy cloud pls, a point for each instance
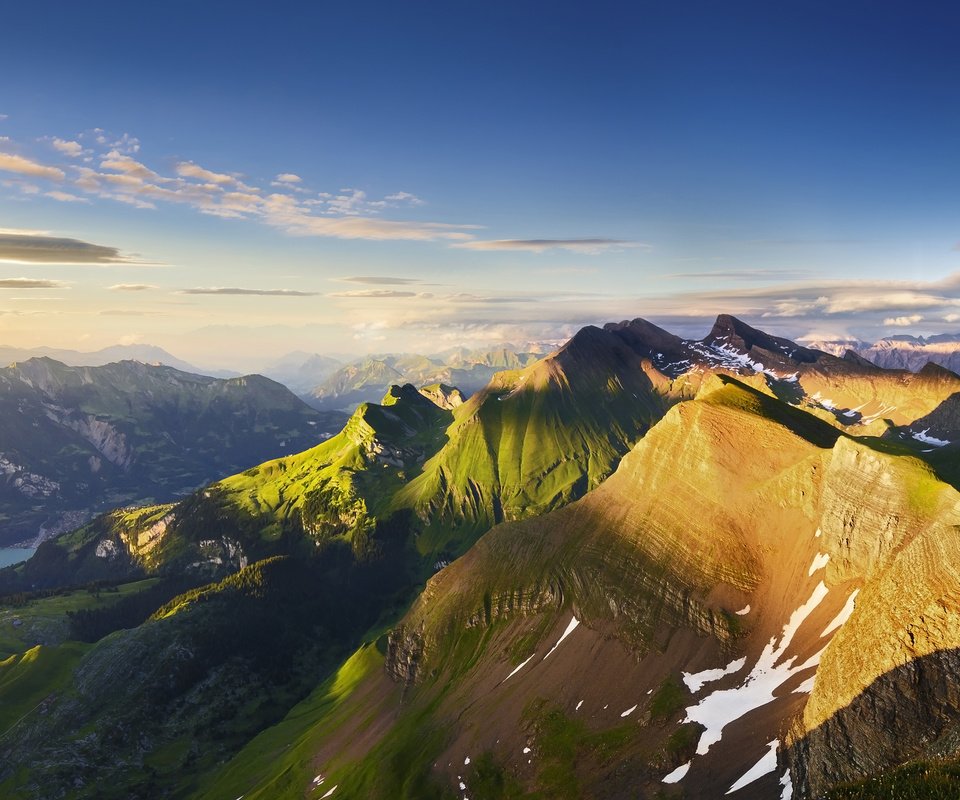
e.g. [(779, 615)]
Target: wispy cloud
[(187, 169), (745, 275), (40, 248), (30, 283), (132, 287), (98, 165), (66, 197), (374, 293), (405, 197), (219, 290), (381, 280), (127, 312), (24, 166), (582, 246)]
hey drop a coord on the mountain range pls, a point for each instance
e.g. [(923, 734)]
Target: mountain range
[(641, 565), (78, 440), (901, 352)]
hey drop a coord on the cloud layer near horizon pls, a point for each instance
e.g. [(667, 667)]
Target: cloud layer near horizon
[(40, 248)]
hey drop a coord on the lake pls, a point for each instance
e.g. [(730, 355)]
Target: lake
[(13, 555)]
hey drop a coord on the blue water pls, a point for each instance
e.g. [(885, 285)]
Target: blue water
[(13, 555)]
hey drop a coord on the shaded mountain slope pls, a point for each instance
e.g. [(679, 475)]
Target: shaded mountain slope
[(87, 438)]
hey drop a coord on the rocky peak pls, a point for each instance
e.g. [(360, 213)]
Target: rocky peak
[(645, 337), (735, 333)]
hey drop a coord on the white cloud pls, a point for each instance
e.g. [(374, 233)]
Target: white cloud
[(951, 317), (68, 147), (903, 322), (24, 166), (131, 287), (187, 169), (288, 177), (66, 197), (405, 197)]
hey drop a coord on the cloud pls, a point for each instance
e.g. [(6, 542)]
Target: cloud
[(903, 322), (131, 287), (583, 246), (39, 248), (187, 169), (745, 275), (68, 148), (125, 312), (30, 283), (405, 197), (24, 166), (259, 292), (113, 169), (66, 197), (374, 293), (951, 317), (466, 297), (379, 279)]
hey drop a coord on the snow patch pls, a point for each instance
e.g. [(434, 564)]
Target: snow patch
[(766, 764), (570, 629), (629, 711), (578, 706), (696, 680), (328, 794), (721, 707), (677, 774), (744, 611), (787, 783), (819, 562), (517, 668), (926, 439), (844, 614), (526, 750), (806, 687), (466, 761)]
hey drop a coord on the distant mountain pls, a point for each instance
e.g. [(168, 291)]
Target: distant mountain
[(301, 372), (902, 352), (642, 565), (78, 439), (145, 353), (367, 379)]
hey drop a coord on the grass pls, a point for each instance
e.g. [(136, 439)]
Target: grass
[(45, 619), (27, 679), (278, 762), (669, 698)]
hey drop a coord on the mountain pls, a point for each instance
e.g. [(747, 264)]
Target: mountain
[(145, 353), (75, 440), (723, 592), (903, 352), (640, 566), (300, 372), (366, 380)]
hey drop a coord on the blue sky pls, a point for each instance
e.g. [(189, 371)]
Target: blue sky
[(259, 178)]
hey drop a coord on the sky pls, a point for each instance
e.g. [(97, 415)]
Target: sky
[(234, 181)]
